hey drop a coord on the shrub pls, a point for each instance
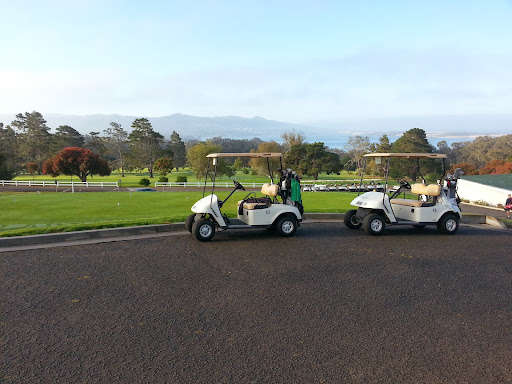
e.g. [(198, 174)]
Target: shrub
[(144, 182), (181, 179), (163, 179)]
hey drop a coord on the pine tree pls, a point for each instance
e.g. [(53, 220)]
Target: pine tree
[(179, 153)]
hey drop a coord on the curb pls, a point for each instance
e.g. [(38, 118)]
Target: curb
[(16, 241), (91, 234)]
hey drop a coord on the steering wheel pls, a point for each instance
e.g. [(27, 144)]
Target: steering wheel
[(404, 183), (238, 185)]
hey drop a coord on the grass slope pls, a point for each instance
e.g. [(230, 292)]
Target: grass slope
[(30, 213)]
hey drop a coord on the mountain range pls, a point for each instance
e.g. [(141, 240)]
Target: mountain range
[(451, 128), (188, 127)]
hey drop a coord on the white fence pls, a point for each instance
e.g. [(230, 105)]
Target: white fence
[(57, 183), (195, 184)]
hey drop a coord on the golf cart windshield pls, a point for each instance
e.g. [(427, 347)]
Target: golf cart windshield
[(212, 173), (378, 157)]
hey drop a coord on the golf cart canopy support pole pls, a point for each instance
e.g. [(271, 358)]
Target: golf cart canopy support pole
[(386, 183), (206, 177), (270, 171), (362, 175)]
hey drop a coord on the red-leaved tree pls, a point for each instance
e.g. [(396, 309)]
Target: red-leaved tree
[(467, 168), (496, 166), (163, 165), (74, 161), (32, 168)]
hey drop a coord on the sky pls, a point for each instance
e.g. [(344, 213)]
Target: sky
[(315, 62)]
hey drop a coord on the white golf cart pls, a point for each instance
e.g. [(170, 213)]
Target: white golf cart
[(253, 212), (435, 204)]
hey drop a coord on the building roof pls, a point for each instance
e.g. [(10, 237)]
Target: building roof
[(503, 181)]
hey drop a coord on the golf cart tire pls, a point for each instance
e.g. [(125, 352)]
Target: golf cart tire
[(449, 224), (286, 225), (349, 221), (374, 224), (203, 230), (190, 221)]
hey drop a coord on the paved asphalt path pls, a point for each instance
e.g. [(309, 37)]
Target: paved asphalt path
[(480, 210), (329, 305)]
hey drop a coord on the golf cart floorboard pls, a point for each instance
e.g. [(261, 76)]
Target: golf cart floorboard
[(409, 222), (239, 224)]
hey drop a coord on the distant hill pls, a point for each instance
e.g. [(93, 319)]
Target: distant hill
[(187, 126), (335, 135)]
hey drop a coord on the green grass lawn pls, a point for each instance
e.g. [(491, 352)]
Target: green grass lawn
[(132, 179), (30, 213)]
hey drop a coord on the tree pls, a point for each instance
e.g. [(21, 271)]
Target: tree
[(384, 146), (66, 136), (179, 153), (95, 143), (32, 168), (117, 139), (413, 141), (9, 144), (6, 173), (76, 161), (357, 147), (145, 144), (236, 145), (260, 165), (292, 138), (467, 168), (496, 166), (34, 135), (163, 165), (196, 157), (311, 159), (485, 149)]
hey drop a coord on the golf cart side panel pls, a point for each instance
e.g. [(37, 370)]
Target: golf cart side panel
[(375, 201), (267, 216), (209, 205), (420, 214)]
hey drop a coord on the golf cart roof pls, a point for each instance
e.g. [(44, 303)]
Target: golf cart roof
[(409, 155), (247, 154)]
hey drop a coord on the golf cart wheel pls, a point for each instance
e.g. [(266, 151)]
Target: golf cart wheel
[(350, 220), (286, 225), (374, 224), (190, 221), (448, 224), (203, 230)]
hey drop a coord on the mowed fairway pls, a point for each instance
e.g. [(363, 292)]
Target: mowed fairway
[(45, 212)]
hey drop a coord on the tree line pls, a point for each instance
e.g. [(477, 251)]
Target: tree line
[(27, 145)]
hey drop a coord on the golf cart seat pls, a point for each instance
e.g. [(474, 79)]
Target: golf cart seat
[(432, 190), (270, 190)]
